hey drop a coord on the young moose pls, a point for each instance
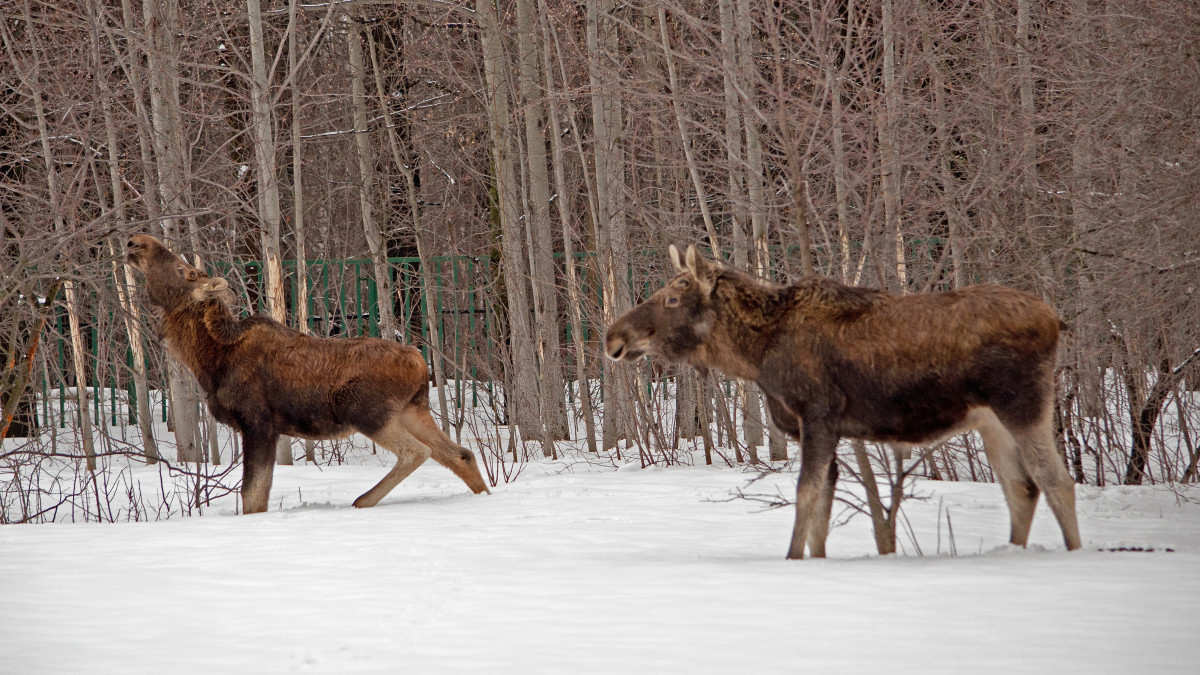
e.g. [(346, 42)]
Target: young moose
[(838, 361), (265, 379)]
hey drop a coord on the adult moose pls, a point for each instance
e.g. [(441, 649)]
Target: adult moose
[(265, 379), (839, 361)]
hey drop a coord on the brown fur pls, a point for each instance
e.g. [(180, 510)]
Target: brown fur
[(266, 380), (859, 363)]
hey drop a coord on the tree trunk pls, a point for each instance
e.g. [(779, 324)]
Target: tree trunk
[(373, 230), (162, 22), (542, 268), (889, 178), (298, 229), (123, 273), (1144, 418), (1028, 128), (133, 328), (429, 283), (885, 534), (833, 82), (574, 296), (524, 391), (79, 355), (685, 141), (748, 396), (612, 239), (269, 212), (793, 163)]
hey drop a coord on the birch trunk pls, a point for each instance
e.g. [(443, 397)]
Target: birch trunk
[(748, 396), (122, 273), (888, 152), (746, 76), (523, 393), (162, 21), (685, 141), (373, 230), (79, 355), (297, 173), (298, 194), (269, 215), (941, 114), (133, 328), (1029, 133), (834, 78), (428, 280), (612, 239), (791, 146), (885, 533), (574, 296), (542, 268)]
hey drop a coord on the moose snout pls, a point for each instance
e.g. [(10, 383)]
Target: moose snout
[(614, 347), (132, 248), (619, 345)]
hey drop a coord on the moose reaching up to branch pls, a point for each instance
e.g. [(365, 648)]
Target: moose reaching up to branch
[(265, 379), (839, 361)]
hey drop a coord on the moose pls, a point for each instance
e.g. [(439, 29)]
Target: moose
[(265, 380), (837, 361)]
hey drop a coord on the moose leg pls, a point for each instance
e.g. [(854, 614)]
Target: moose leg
[(817, 452), (1020, 491), (1040, 460), (818, 528), (258, 468), (410, 454), (417, 420)]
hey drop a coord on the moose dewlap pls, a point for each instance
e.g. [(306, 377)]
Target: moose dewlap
[(837, 361), (265, 380)]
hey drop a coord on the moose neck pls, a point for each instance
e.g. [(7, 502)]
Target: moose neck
[(196, 335), (747, 316)]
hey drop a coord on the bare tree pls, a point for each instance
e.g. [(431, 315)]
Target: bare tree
[(523, 392)]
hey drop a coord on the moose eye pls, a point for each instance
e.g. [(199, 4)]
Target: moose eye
[(671, 301)]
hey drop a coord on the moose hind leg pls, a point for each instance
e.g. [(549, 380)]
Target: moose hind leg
[(410, 454), (1041, 462), (258, 469), (420, 423), (1020, 492)]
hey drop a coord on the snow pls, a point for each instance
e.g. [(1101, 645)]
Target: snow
[(576, 567)]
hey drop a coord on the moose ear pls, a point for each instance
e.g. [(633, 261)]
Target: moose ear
[(700, 269), (215, 288), (679, 268)]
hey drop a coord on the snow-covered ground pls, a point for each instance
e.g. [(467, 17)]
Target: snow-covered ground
[(578, 568)]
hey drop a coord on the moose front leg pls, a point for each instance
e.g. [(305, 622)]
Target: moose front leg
[(258, 468), (814, 491)]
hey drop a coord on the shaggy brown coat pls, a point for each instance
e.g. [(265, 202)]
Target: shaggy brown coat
[(859, 363), (265, 380)]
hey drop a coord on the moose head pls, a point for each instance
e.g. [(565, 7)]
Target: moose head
[(171, 281), (674, 321)]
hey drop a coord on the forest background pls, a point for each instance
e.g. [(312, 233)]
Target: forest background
[(494, 181)]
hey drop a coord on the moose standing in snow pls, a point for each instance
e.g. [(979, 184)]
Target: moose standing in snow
[(265, 380), (839, 361)]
